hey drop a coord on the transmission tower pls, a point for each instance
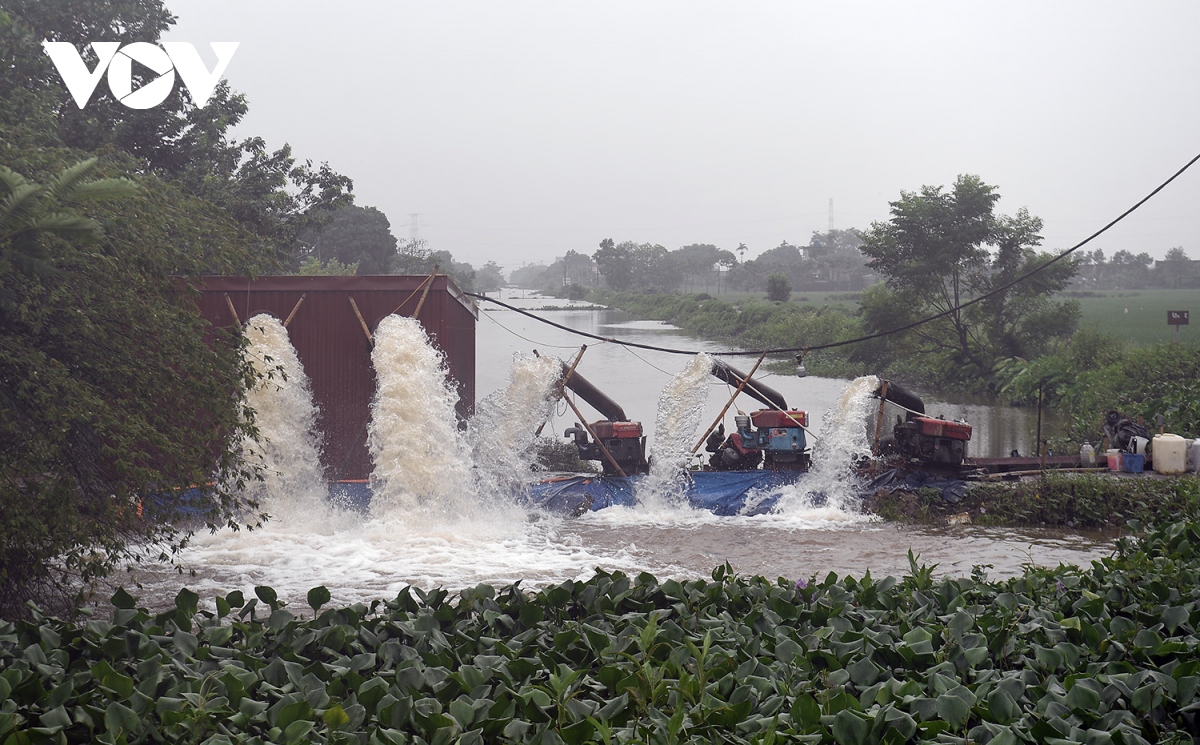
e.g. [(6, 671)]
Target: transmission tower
[(831, 214), (414, 226)]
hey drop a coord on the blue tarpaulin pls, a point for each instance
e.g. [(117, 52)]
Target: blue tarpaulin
[(720, 492)]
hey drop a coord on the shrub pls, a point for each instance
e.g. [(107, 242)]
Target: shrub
[(779, 287)]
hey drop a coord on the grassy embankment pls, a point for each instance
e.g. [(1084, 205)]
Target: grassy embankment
[(1104, 654), (783, 323), (1054, 500)]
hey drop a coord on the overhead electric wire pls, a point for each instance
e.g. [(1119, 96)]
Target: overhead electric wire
[(870, 337)]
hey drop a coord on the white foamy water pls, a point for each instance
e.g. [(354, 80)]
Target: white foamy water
[(420, 457), (288, 449), (842, 442), (502, 431), (680, 408)]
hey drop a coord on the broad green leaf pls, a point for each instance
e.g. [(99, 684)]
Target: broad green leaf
[(1002, 706), (187, 602), (850, 729), (952, 709), (1084, 698), (1174, 617), (297, 731), (120, 719), (335, 716), (317, 597), (267, 595)]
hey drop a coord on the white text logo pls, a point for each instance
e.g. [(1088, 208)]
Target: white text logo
[(179, 56)]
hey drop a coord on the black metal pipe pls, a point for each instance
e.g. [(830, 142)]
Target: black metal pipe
[(903, 397), (762, 393), (610, 409)]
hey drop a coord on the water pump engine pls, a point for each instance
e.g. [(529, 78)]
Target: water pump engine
[(780, 437), (623, 440), (932, 441)]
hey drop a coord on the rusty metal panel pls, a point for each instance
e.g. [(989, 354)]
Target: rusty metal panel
[(333, 347)]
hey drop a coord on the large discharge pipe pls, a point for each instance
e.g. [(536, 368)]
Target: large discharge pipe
[(610, 409), (762, 393), (901, 396)]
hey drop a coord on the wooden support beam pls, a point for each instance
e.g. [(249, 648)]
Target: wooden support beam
[(295, 308), (365, 328), (729, 403), (236, 321)]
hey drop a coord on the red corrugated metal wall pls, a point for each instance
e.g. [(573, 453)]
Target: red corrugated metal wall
[(333, 348)]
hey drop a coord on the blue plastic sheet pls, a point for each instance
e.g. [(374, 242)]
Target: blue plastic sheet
[(719, 492)]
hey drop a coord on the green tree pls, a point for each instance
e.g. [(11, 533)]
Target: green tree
[(489, 277), (115, 396), (270, 193), (616, 264), (779, 287), (942, 248), (29, 213), (354, 235), (314, 267), (1176, 269)]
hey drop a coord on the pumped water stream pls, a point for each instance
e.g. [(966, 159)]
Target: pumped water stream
[(444, 511)]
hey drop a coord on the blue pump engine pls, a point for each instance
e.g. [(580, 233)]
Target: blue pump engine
[(779, 435)]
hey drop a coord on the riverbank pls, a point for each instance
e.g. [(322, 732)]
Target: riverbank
[(1067, 500), (749, 323)]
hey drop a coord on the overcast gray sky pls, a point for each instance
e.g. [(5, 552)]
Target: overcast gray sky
[(519, 130)]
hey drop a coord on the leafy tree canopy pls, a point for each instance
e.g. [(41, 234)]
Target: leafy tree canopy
[(114, 396), (269, 193), (943, 247), (353, 235)]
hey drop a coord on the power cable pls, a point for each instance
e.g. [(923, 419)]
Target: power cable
[(881, 334)]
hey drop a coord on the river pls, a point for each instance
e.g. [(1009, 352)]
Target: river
[(483, 540)]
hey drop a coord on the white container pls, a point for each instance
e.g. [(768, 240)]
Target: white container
[(1193, 455), (1169, 453), (1087, 455)]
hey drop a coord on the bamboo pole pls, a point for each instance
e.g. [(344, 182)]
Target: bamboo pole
[(365, 328), (729, 403), (294, 309), (425, 294), (236, 321), (413, 294), (562, 384)]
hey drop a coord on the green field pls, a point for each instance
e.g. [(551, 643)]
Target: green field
[(1146, 319)]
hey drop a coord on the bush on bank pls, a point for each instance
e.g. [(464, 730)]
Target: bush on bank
[(1053, 500), (1102, 654)]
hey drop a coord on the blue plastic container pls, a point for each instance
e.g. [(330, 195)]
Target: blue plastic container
[(1133, 462)]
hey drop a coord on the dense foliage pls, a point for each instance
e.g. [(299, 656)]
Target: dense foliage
[(111, 387), (1096, 372), (942, 248), (1097, 655)]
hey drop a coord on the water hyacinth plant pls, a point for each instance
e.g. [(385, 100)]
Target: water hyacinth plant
[(1101, 654)]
